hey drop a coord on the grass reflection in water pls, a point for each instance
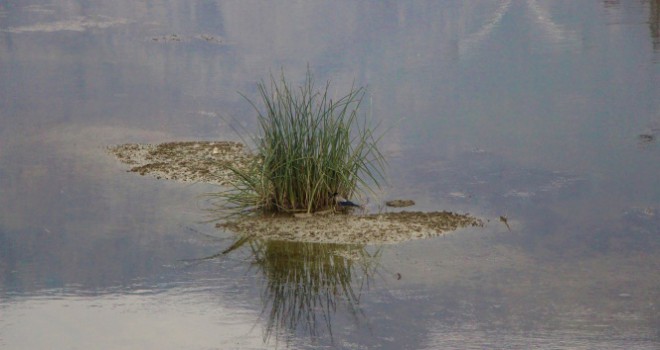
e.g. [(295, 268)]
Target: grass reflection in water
[(305, 283)]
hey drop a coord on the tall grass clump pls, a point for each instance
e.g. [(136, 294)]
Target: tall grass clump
[(309, 146)]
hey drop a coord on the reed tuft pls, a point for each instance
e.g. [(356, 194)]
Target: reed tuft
[(309, 146)]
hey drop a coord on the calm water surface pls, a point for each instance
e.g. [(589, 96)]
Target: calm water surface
[(546, 112)]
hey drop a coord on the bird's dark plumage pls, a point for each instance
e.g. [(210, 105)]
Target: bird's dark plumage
[(343, 202)]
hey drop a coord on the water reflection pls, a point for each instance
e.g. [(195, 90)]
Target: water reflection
[(557, 94), (304, 284), (654, 23), (540, 17)]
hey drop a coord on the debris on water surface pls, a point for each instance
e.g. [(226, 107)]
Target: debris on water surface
[(176, 38), (505, 220), (646, 138)]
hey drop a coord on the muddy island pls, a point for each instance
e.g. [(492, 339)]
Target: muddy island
[(205, 161)]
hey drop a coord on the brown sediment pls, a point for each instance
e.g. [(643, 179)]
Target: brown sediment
[(343, 228), (193, 161)]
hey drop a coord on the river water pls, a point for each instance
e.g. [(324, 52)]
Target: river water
[(546, 113)]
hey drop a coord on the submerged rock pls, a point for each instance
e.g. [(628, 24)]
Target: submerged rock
[(400, 203)]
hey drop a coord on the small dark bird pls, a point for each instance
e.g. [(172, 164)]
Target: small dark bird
[(343, 202)]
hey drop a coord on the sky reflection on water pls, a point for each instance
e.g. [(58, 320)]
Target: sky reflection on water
[(530, 109)]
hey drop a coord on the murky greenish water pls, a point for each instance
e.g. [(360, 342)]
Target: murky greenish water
[(546, 112)]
